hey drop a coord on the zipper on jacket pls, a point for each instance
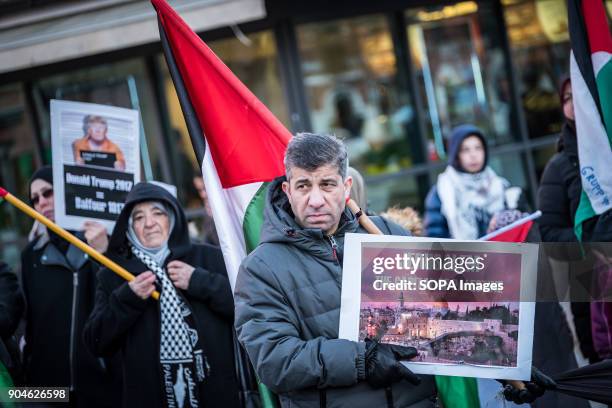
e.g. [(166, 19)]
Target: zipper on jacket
[(334, 246), (75, 285)]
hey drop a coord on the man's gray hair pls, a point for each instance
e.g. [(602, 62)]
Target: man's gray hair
[(309, 151)]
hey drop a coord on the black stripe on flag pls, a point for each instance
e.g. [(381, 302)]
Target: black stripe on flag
[(191, 119), (579, 39)]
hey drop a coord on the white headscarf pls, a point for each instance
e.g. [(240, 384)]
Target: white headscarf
[(160, 253)]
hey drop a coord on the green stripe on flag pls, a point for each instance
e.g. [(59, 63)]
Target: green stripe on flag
[(458, 392), (583, 213), (5, 382), (253, 218)]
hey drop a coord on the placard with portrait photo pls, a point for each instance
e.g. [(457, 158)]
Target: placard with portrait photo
[(96, 160)]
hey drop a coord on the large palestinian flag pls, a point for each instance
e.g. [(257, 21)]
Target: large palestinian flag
[(591, 75), (239, 142)]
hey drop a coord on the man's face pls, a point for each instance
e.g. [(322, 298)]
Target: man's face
[(97, 132), (318, 197)]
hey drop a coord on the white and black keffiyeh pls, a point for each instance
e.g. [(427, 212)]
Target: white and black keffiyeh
[(470, 199), (181, 358)]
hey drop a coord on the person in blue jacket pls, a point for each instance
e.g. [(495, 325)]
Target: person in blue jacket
[(469, 192)]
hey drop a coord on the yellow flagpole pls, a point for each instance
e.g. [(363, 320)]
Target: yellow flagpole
[(113, 266)]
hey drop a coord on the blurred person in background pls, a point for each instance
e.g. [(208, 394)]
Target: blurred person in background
[(11, 309), (358, 189), (467, 194), (59, 287), (553, 342), (558, 198), (406, 218), (206, 228)]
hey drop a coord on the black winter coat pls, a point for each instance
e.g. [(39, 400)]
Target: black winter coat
[(560, 189), (59, 291), (558, 198), (124, 323)]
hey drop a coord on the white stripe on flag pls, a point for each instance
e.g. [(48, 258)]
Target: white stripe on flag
[(599, 59), (228, 207), (594, 150)]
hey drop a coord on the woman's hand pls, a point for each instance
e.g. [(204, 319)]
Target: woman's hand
[(95, 235), (180, 273), (143, 285)]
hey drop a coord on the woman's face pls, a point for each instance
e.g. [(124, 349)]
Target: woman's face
[(472, 154), (568, 105), (42, 198), (151, 224)]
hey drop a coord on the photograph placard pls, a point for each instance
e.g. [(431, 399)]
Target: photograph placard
[(466, 306), (96, 161)]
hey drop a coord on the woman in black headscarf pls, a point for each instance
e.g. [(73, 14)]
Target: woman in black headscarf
[(178, 351), (59, 287)]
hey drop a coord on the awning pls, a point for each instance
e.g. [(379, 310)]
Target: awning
[(48, 35)]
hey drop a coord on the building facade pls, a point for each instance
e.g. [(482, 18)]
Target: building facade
[(390, 77)]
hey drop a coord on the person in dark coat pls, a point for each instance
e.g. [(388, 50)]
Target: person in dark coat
[(59, 287), (11, 309), (178, 350), (553, 343), (558, 198), (467, 194)]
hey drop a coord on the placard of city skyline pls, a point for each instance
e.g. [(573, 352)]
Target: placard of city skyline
[(479, 333)]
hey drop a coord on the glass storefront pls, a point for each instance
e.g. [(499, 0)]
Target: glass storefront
[(539, 42), (461, 68), (349, 70), (391, 83)]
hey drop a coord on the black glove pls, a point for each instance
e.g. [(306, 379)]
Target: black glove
[(383, 367), (534, 388)]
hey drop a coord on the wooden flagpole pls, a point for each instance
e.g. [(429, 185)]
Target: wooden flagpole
[(113, 266)]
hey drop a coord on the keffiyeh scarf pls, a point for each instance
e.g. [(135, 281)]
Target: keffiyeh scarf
[(182, 360), (469, 200)]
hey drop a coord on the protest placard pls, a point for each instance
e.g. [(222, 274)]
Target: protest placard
[(466, 306), (96, 161)]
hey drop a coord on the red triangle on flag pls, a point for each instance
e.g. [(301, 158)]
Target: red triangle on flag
[(246, 141), (516, 234)]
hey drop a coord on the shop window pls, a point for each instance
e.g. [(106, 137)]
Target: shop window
[(457, 53), (350, 76), (539, 42), (395, 191), (540, 46)]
